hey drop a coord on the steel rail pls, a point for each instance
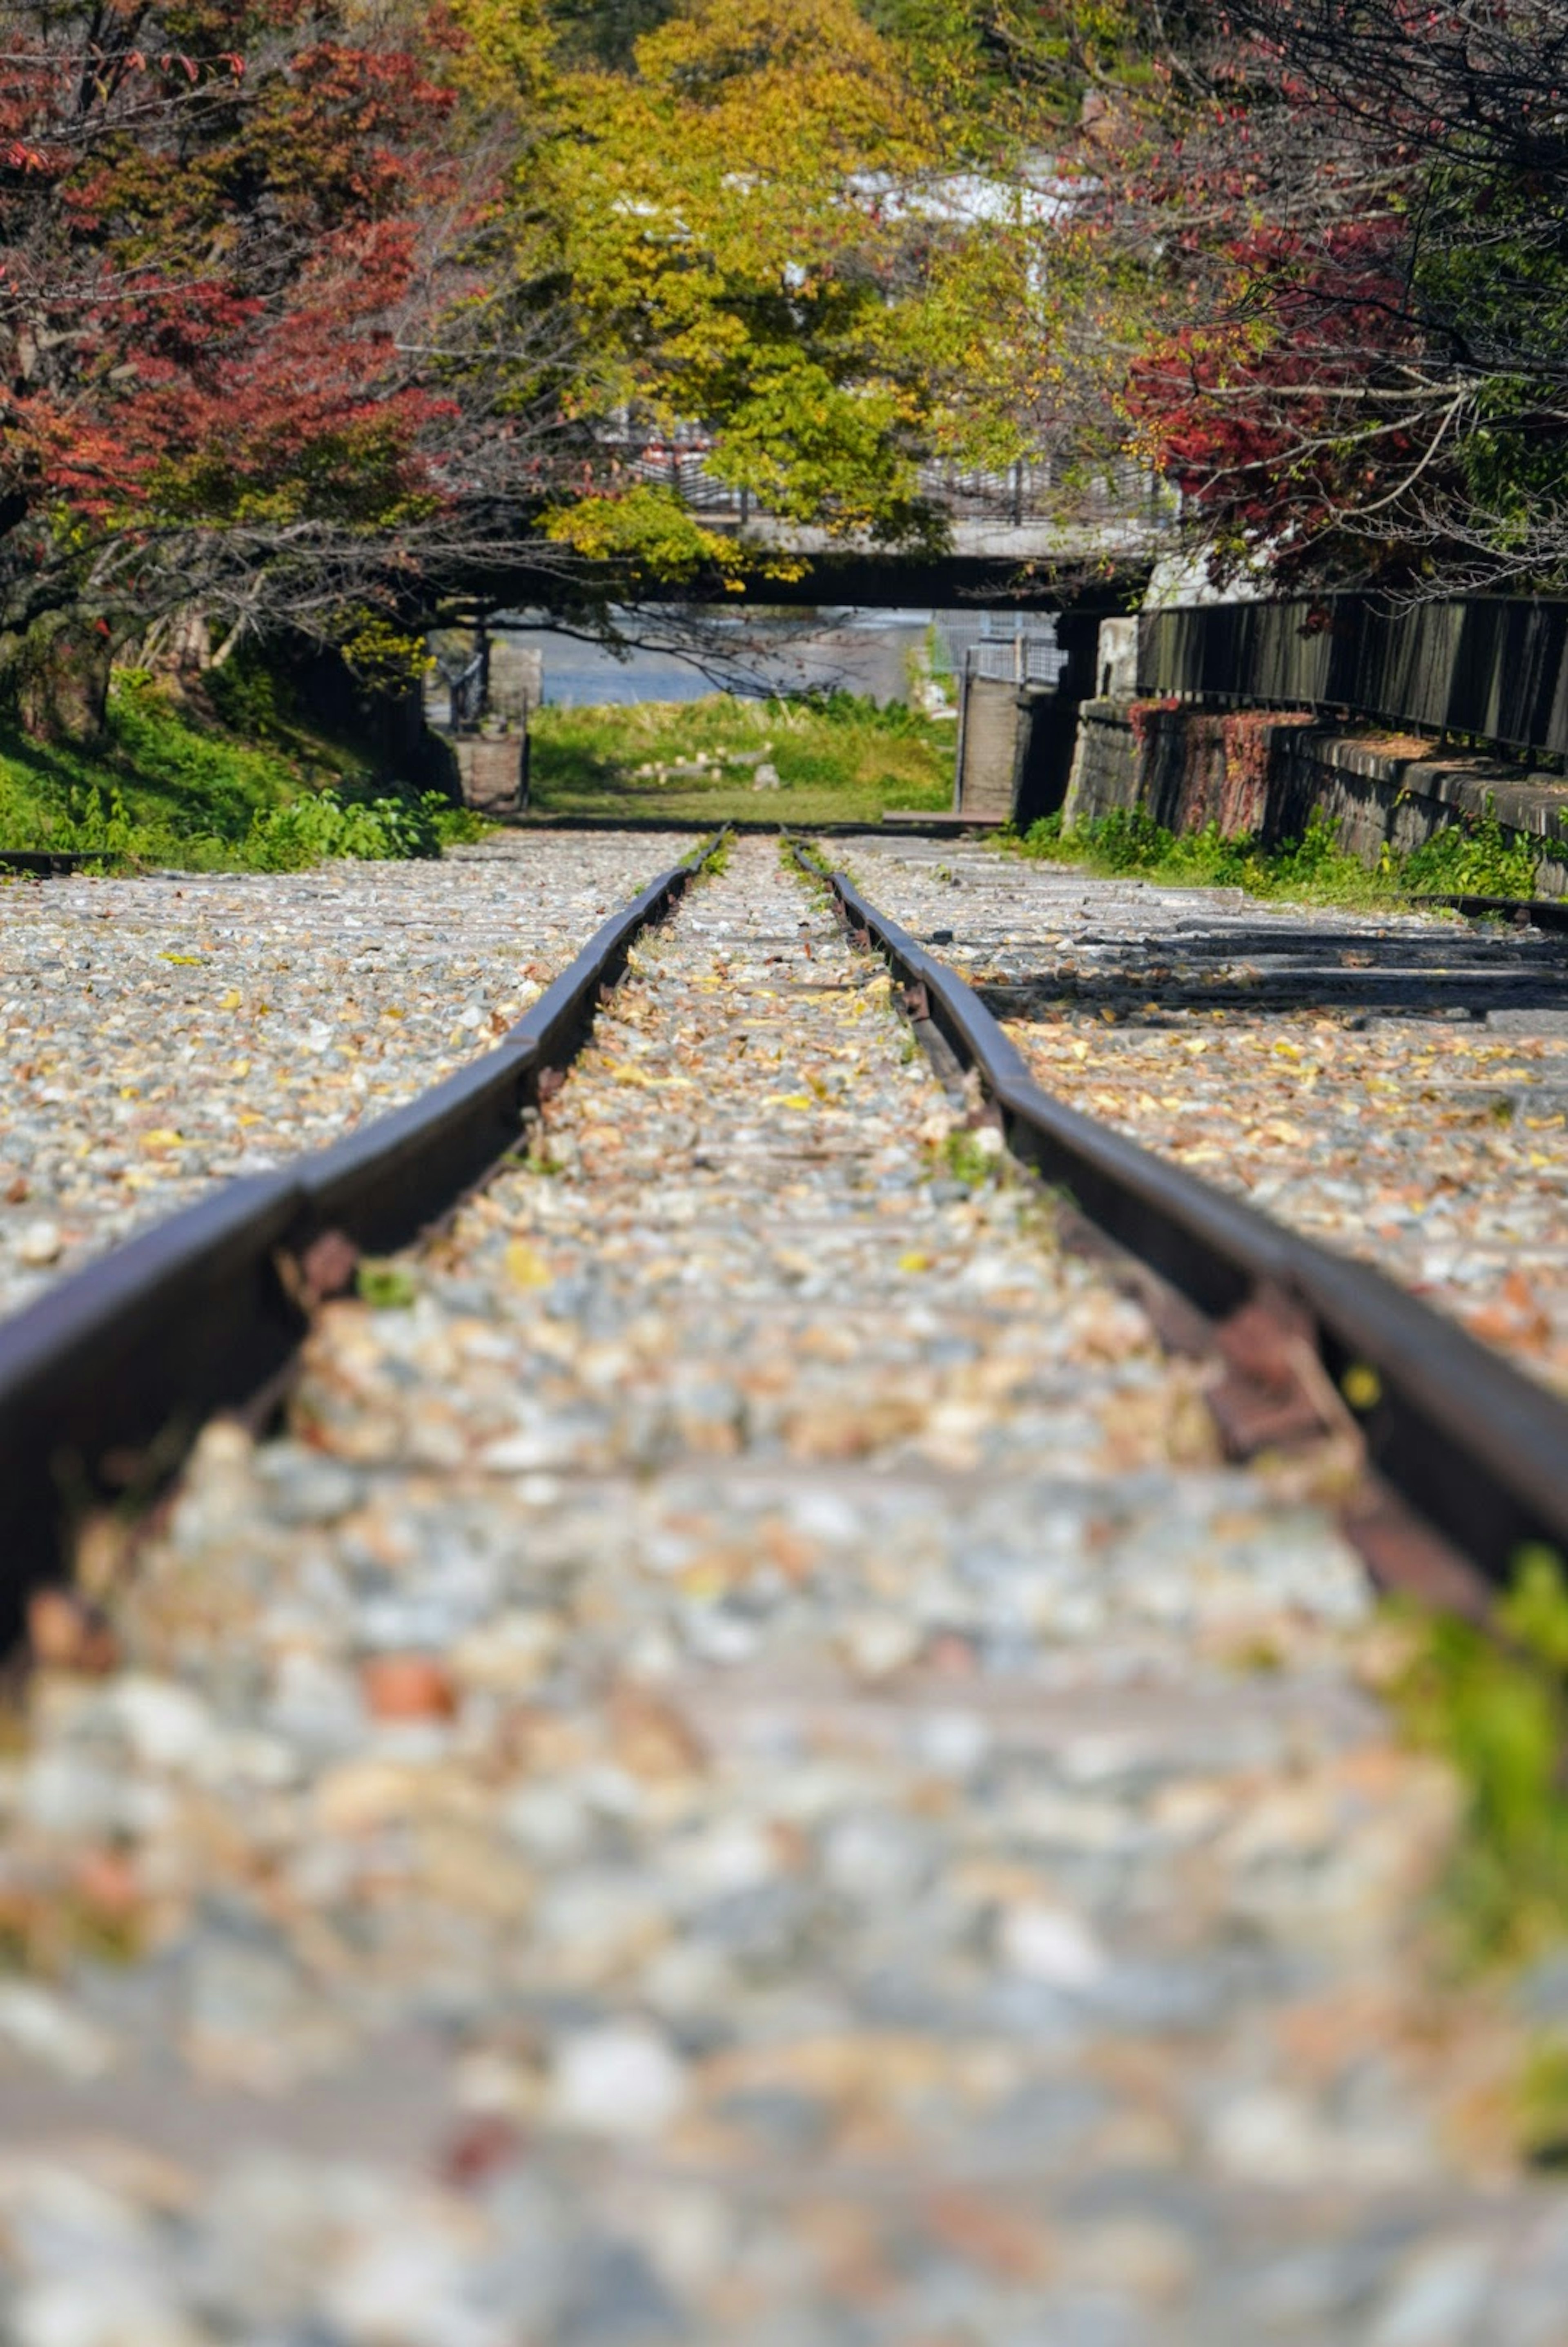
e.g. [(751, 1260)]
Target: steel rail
[(51, 863), (1476, 1450), (1523, 912), (106, 1380)]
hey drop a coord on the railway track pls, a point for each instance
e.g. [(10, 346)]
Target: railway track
[(771, 1747)]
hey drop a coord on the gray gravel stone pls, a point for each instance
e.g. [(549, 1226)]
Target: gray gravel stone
[(743, 1771), (162, 1033)]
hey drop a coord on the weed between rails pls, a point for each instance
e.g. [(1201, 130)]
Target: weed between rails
[(1477, 858), (973, 1157)]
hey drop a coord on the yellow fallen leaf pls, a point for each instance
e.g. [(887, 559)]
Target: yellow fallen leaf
[(231, 1000), (915, 1261), (161, 1137), (194, 961), (787, 1099), (239, 1067), (1080, 1051), (525, 1267)]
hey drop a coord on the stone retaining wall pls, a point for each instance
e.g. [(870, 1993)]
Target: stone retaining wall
[(493, 770), (1271, 772)]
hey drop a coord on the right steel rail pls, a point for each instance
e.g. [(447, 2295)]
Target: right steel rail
[(1476, 1450)]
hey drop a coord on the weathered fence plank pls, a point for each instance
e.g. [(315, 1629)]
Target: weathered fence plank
[(1494, 668)]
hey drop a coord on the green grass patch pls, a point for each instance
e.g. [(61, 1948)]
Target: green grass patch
[(1474, 858), (385, 1285), (169, 787), (972, 1158), (839, 758), (1496, 1708)]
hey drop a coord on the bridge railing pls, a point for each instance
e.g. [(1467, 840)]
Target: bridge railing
[(1494, 668), (1034, 490), (1023, 659)]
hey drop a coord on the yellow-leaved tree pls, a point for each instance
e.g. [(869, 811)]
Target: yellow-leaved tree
[(819, 239), (733, 217)]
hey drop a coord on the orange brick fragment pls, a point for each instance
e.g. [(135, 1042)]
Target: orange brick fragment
[(408, 1686)]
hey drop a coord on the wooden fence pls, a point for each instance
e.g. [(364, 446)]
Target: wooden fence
[(1495, 669)]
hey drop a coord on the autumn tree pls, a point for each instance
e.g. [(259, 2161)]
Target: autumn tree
[(310, 314), (1343, 225), (246, 357), (765, 219)]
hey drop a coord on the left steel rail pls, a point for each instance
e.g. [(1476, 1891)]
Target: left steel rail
[(105, 1381)]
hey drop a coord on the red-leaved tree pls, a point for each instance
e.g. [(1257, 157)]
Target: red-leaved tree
[(223, 224)]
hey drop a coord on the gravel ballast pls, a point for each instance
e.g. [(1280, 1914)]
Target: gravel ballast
[(743, 1771), (159, 1035), (1395, 1086)]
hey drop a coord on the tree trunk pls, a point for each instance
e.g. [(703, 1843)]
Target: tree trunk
[(60, 678)]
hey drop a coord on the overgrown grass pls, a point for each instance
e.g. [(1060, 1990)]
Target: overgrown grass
[(839, 758), (166, 788), (1474, 858)]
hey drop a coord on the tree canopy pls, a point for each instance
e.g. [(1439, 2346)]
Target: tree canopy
[(1354, 351), (306, 303)]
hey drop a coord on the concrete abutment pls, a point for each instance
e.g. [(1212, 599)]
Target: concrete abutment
[(1270, 774)]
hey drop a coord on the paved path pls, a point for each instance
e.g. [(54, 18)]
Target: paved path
[(160, 1034), (741, 1773), (1395, 1086)]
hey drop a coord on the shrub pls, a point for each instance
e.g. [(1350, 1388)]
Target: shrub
[(314, 830)]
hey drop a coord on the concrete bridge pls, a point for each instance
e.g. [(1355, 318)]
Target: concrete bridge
[(1018, 535)]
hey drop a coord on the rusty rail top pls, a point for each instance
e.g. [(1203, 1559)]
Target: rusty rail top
[(106, 1380), (1474, 1449)]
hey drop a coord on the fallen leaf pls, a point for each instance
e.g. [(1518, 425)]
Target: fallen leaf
[(525, 1267)]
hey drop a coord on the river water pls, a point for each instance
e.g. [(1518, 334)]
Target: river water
[(868, 652)]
